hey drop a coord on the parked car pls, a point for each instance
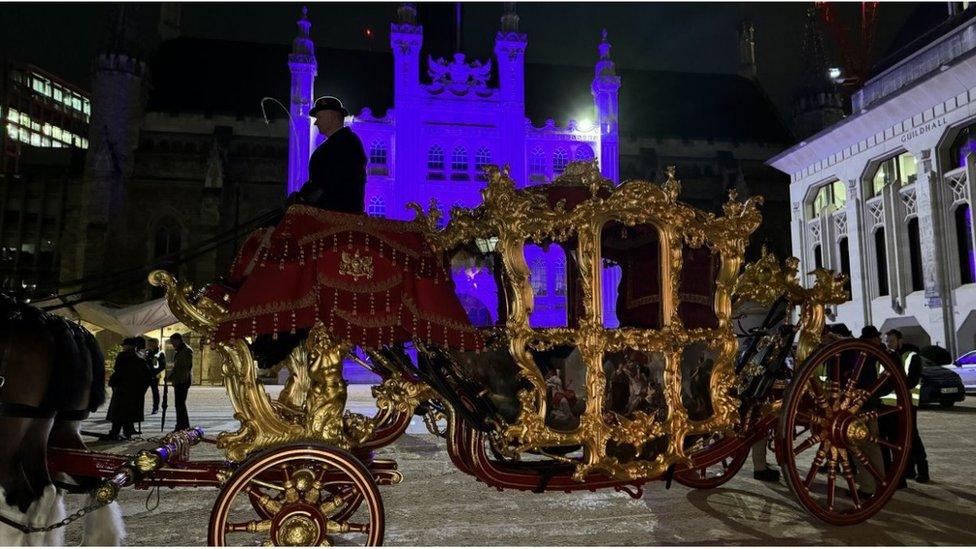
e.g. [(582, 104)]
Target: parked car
[(940, 383), (966, 368)]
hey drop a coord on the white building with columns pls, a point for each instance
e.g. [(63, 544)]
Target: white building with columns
[(886, 194)]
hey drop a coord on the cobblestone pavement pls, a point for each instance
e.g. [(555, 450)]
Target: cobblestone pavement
[(438, 505)]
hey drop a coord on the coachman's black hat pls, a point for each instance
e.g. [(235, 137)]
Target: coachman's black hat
[(328, 103)]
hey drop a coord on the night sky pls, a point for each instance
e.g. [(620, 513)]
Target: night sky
[(696, 37)]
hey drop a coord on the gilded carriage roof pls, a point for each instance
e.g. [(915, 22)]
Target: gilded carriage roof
[(533, 213)]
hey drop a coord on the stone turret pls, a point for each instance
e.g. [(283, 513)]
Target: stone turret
[(304, 69), (606, 85), (817, 103), (510, 54), (406, 37), (119, 93)]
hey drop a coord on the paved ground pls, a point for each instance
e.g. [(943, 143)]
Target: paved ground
[(437, 505)]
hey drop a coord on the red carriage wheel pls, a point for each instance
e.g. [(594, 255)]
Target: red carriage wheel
[(828, 440), (716, 472), (302, 495)]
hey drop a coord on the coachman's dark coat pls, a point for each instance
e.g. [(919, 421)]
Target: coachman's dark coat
[(129, 382), (337, 174)]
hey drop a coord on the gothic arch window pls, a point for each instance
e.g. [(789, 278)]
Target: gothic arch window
[(898, 169), (560, 276), (481, 159), (881, 260), (915, 255), (817, 257), (459, 163), (377, 157), (167, 238), (583, 153), (538, 277), (377, 207), (964, 242), (435, 162), (537, 164), (829, 194), (560, 158)]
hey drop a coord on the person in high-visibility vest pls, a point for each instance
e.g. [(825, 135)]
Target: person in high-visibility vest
[(907, 354)]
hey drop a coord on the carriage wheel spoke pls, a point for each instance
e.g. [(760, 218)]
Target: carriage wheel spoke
[(252, 526), (816, 396), (852, 381), (333, 527), (845, 470), (806, 444), (882, 442), (835, 379), (886, 412), (815, 467), (831, 484), (863, 460)]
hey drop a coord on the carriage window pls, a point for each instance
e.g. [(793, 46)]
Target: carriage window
[(475, 277), (550, 307), (696, 291), (636, 295)]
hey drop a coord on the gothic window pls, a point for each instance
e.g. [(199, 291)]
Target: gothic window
[(377, 207), (583, 153), (559, 160), (964, 243), (899, 169), (881, 259), (481, 159), (435, 162), (459, 163), (829, 194), (377, 158), (845, 264), (538, 277), (964, 144), (560, 276), (817, 257), (537, 165), (915, 255), (167, 239)]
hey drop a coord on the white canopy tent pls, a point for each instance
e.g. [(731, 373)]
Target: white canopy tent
[(129, 321)]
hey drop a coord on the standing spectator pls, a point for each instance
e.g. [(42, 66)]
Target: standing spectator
[(180, 377), (907, 355), (157, 364), (873, 451), (129, 380)]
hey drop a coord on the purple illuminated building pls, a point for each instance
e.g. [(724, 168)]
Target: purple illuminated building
[(442, 130)]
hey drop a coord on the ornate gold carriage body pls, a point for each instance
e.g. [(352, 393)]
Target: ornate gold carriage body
[(680, 275)]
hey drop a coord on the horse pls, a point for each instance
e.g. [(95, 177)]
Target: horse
[(52, 376)]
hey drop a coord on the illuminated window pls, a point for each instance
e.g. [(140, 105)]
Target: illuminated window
[(538, 277), (834, 193), (13, 115), (377, 208), (560, 274), (459, 159), (57, 93), (435, 158), (899, 168), (482, 158), (584, 153), (377, 153), (35, 139), (537, 164), (559, 160)]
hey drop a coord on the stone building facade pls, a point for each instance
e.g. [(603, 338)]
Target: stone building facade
[(885, 195)]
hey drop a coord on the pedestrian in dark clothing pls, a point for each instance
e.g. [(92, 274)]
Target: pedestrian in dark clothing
[(181, 376), (907, 355), (337, 169), (128, 381), (876, 454), (157, 364)]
